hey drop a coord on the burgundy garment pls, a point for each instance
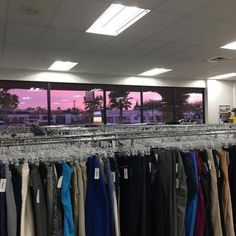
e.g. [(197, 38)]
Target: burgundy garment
[(200, 216)]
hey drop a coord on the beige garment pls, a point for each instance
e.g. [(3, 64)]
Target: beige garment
[(215, 207), (27, 218), (75, 197), (225, 195), (84, 176), (81, 198)]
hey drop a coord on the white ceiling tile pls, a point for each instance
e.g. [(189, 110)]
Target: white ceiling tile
[(144, 47), (168, 50), (2, 31), (90, 42), (3, 10), (217, 9), (118, 45), (183, 27), (23, 34), (80, 14), (230, 19), (147, 4), (216, 35), (98, 58), (181, 6), (46, 9), (152, 23), (57, 38), (16, 51), (17, 63)]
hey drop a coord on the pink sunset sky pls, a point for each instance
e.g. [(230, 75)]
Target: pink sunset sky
[(65, 99)]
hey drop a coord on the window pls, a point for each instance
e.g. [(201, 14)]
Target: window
[(157, 105), (123, 105), (75, 104), (189, 104), (20, 104)]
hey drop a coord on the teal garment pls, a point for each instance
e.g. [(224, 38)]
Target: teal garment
[(69, 228)]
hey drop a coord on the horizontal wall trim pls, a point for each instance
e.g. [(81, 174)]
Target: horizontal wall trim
[(59, 77)]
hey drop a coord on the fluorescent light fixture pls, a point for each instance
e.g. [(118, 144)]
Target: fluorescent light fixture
[(231, 46), (156, 71), (62, 65), (116, 19), (224, 76)]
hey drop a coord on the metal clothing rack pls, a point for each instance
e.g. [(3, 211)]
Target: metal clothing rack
[(70, 134)]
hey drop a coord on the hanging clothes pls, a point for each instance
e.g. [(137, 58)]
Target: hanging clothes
[(97, 203)]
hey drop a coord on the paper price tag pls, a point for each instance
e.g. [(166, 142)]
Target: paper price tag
[(96, 173), (177, 168), (209, 164), (59, 183), (126, 175), (3, 183), (177, 183), (113, 175), (150, 167), (156, 156), (38, 196)]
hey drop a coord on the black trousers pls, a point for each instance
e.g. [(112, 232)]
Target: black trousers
[(3, 210), (163, 195), (39, 203)]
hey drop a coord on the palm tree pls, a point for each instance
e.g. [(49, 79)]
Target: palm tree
[(119, 100), (96, 104), (8, 101)]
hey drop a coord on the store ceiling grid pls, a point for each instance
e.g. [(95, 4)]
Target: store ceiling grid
[(177, 34)]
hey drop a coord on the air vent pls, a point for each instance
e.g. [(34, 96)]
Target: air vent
[(219, 59)]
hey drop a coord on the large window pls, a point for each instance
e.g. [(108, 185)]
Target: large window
[(123, 106), (23, 104), (189, 104), (76, 105), (157, 105)]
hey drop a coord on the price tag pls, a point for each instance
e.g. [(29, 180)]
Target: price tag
[(3, 183), (156, 156), (59, 183), (113, 175), (38, 196), (96, 173), (177, 168), (150, 167), (126, 175), (210, 166), (177, 183)]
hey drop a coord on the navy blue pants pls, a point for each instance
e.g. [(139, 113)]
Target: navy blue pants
[(97, 203)]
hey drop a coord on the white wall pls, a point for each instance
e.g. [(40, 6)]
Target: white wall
[(45, 76), (218, 92)]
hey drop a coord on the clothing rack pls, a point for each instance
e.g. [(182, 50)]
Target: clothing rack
[(70, 134)]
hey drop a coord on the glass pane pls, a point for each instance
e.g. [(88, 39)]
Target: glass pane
[(77, 107), (123, 106), (23, 107), (157, 105), (189, 105)]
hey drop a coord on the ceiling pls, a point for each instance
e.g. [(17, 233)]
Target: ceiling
[(177, 34)]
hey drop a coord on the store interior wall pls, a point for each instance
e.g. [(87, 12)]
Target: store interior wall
[(217, 92)]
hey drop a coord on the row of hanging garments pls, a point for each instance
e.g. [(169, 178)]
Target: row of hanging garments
[(168, 192)]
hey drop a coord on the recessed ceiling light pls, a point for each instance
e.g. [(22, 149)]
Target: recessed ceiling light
[(231, 46), (116, 19), (156, 71), (62, 65), (224, 76)]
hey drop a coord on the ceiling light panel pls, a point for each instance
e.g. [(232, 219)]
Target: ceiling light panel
[(62, 65), (116, 19), (224, 76), (156, 71), (230, 46)]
